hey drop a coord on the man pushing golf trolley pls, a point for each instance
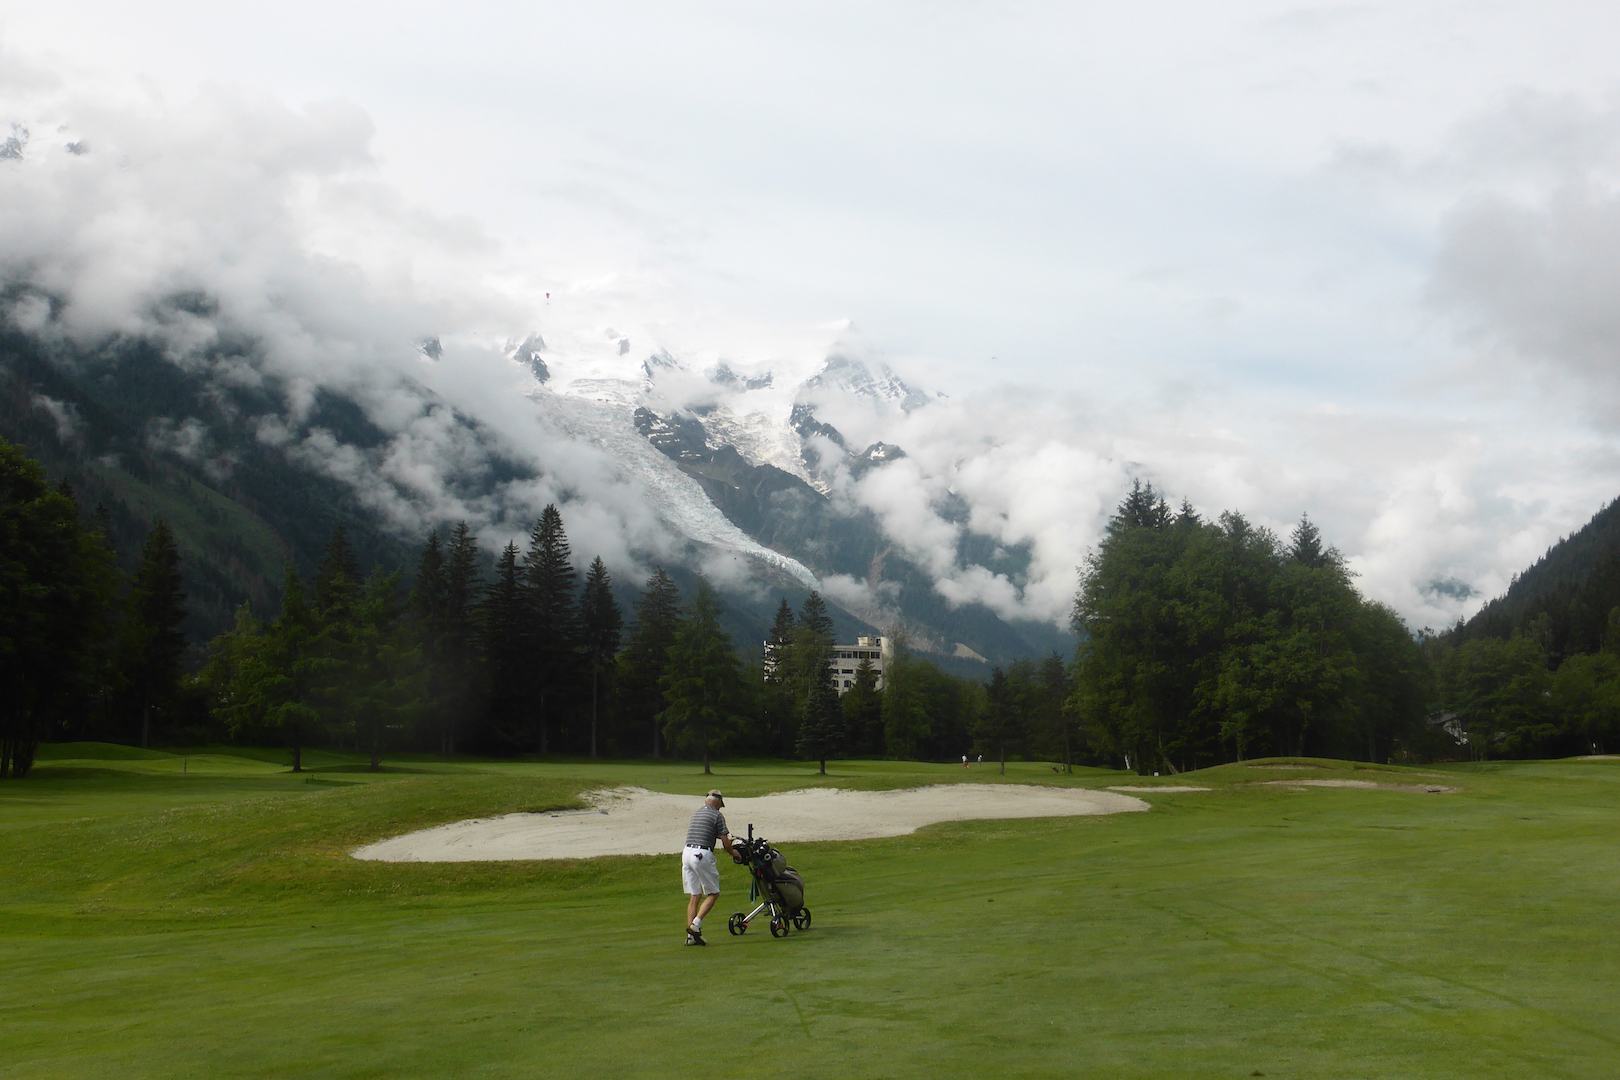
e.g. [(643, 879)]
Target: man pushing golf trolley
[(777, 886)]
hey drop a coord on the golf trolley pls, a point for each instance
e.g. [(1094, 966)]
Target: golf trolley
[(777, 886)]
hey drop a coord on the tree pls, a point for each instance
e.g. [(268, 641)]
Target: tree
[(153, 643), (549, 584), (57, 582), (777, 702), (824, 732), (906, 722), (336, 588), (863, 711), (810, 680), (444, 601), (1005, 719), (702, 684), (382, 684), (1200, 639), (638, 686), (267, 676), (506, 632), (1053, 721), (600, 625)]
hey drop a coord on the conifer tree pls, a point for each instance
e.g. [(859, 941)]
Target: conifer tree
[(459, 630), (638, 688), (777, 700), (154, 644), (57, 582), (384, 683), (824, 732), (600, 624), (336, 590), (863, 711), (550, 584), (505, 625), (702, 685)]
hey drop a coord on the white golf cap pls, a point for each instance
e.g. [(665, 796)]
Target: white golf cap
[(721, 799)]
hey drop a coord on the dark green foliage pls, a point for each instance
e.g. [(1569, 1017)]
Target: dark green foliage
[(1054, 731), (550, 584), (1009, 707), (57, 582), (703, 692), (444, 602), (638, 684), (269, 677), (807, 665), (1206, 641), (153, 644), (503, 619), (600, 625), (927, 714), (778, 707), (381, 684), (863, 712)]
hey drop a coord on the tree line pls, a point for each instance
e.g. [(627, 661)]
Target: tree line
[(1211, 641), (1201, 641), (84, 648)]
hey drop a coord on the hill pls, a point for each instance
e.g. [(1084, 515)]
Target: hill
[(1566, 597)]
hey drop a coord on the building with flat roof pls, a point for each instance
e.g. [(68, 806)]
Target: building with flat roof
[(846, 660)]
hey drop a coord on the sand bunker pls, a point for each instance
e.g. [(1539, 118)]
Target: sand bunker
[(634, 821), (1163, 787), (1429, 789)]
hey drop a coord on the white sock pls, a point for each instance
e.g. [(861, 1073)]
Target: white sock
[(697, 925)]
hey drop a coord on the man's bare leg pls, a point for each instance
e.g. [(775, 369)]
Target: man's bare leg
[(692, 903), (706, 906)]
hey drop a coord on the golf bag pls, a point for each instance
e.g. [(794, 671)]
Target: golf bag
[(778, 887)]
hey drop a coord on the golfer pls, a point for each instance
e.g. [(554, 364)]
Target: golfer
[(700, 875)]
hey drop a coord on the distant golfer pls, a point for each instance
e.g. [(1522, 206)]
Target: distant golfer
[(700, 875)]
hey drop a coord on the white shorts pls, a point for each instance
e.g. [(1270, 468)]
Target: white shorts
[(700, 874)]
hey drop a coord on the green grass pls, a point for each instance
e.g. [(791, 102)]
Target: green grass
[(209, 923)]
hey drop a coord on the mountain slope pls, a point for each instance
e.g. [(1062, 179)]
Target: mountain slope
[(1566, 596), (755, 496)]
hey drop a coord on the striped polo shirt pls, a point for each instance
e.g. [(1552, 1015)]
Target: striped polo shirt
[(708, 825)]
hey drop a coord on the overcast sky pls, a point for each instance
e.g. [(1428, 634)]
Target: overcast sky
[(1358, 260)]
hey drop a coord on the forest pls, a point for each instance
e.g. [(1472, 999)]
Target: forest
[(1201, 641)]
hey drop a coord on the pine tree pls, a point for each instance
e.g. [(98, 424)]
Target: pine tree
[(863, 712), (336, 589), (1055, 719), (702, 684), (821, 727), (777, 700), (638, 689), (428, 605), (550, 583), (824, 732), (459, 631), (1305, 546), (384, 684), (600, 624), (154, 644), (506, 635), (57, 583)]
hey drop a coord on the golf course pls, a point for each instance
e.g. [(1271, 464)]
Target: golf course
[(199, 914)]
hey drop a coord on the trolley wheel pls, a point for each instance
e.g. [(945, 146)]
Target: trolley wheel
[(778, 927), (802, 919), (737, 924)]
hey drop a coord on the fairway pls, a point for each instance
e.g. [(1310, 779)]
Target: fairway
[(199, 914)]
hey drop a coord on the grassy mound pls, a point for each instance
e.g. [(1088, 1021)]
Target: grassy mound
[(211, 923)]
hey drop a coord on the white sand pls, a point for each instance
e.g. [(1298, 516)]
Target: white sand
[(1163, 787), (635, 821), (1430, 789)]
